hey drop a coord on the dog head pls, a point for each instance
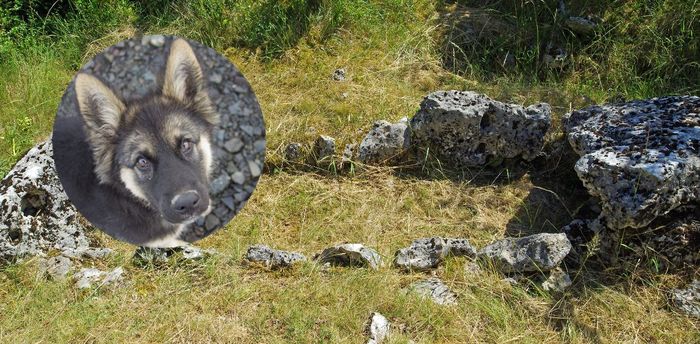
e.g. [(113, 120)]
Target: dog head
[(156, 148)]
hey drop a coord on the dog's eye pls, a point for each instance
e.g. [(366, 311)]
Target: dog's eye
[(186, 146), (143, 164)]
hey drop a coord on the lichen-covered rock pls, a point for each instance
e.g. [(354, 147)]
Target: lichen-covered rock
[(641, 158), (428, 253), (688, 299), (538, 252), (350, 255), (384, 142), (324, 148), (86, 277), (35, 213), (152, 256), (377, 328), (436, 290), (558, 281), (274, 259), (293, 152), (55, 267), (468, 129)]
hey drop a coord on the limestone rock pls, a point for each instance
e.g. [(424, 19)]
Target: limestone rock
[(35, 213), (641, 158), (688, 299), (293, 151), (538, 252), (558, 281), (377, 328), (350, 255), (436, 290), (428, 253), (469, 129), (384, 142), (55, 267), (324, 148), (272, 258), (86, 277)]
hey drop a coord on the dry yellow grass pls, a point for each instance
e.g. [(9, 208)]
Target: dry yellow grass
[(221, 300)]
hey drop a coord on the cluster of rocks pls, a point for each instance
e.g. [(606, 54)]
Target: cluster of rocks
[(460, 128)]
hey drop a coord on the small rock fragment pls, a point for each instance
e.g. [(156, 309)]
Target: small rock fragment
[(293, 151), (87, 276), (428, 253), (350, 255), (348, 153), (274, 259), (339, 74), (377, 328), (436, 290), (324, 148), (233, 145), (220, 183), (558, 281), (384, 142), (538, 252), (55, 267), (688, 299)]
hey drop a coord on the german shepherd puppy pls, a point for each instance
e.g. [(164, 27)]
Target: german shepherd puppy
[(140, 168)]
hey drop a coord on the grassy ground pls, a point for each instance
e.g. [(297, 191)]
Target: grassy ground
[(393, 52)]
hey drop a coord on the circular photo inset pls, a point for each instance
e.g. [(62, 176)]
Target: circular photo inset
[(159, 141)]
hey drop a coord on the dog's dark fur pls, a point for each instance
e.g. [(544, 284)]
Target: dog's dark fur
[(138, 169)]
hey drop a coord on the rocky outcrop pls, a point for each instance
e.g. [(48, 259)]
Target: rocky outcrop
[(538, 252), (687, 300), (35, 213), (641, 158), (468, 129)]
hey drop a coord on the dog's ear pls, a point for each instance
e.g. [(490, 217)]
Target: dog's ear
[(184, 81), (102, 112)]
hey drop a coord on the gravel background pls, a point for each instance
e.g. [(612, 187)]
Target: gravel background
[(135, 68)]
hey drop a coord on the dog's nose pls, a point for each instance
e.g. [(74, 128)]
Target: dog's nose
[(185, 202)]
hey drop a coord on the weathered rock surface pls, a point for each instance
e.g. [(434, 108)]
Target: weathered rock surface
[(436, 290), (641, 158), (350, 255), (558, 281), (324, 148), (377, 328), (468, 129), (385, 142), (272, 258), (145, 256), (35, 213), (538, 252), (293, 152), (428, 253), (55, 267), (688, 299), (86, 277)]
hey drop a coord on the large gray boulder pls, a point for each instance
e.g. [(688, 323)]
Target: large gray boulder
[(538, 252), (35, 213), (468, 129), (641, 158), (384, 142)]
